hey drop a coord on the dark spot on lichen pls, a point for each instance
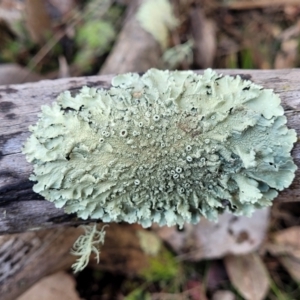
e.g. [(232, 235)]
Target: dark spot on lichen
[(225, 202), (195, 133), (6, 106)]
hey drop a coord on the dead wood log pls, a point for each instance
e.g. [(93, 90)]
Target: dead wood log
[(27, 257), (22, 210)]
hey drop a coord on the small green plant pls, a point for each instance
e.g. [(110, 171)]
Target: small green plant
[(162, 267), (93, 38)]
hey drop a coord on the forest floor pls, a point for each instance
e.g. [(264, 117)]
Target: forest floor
[(55, 39)]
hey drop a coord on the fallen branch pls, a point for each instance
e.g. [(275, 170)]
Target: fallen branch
[(254, 4), (22, 210)]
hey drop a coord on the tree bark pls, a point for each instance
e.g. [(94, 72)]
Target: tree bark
[(27, 257), (23, 210)]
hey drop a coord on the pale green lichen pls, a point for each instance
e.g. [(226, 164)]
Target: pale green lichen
[(87, 244), (165, 147)]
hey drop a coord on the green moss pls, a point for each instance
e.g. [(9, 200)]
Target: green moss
[(162, 267), (93, 38), (138, 294)]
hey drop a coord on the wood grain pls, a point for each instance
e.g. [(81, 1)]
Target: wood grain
[(23, 210)]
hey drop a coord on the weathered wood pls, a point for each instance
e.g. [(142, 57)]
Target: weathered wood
[(21, 209), (27, 257)]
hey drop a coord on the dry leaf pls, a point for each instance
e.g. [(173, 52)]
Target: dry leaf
[(64, 69), (287, 57), (286, 246), (11, 14), (38, 21), (63, 7), (194, 290), (57, 286), (13, 74), (216, 275), (286, 242), (290, 33), (248, 275), (204, 35), (231, 235), (292, 265)]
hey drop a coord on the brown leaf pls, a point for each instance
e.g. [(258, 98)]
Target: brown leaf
[(204, 35), (248, 275), (12, 74), (286, 242), (38, 21), (230, 235), (286, 246), (216, 275), (57, 286), (11, 13), (63, 7), (194, 290), (287, 57), (292, 265)]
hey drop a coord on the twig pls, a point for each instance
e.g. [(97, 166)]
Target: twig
[(244, 5)]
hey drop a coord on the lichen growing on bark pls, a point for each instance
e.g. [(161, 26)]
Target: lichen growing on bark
[(165, 147)]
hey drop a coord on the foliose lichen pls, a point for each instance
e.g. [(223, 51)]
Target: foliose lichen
[(164, 147)]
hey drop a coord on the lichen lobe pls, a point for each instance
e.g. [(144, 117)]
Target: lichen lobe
[(165, 147)]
